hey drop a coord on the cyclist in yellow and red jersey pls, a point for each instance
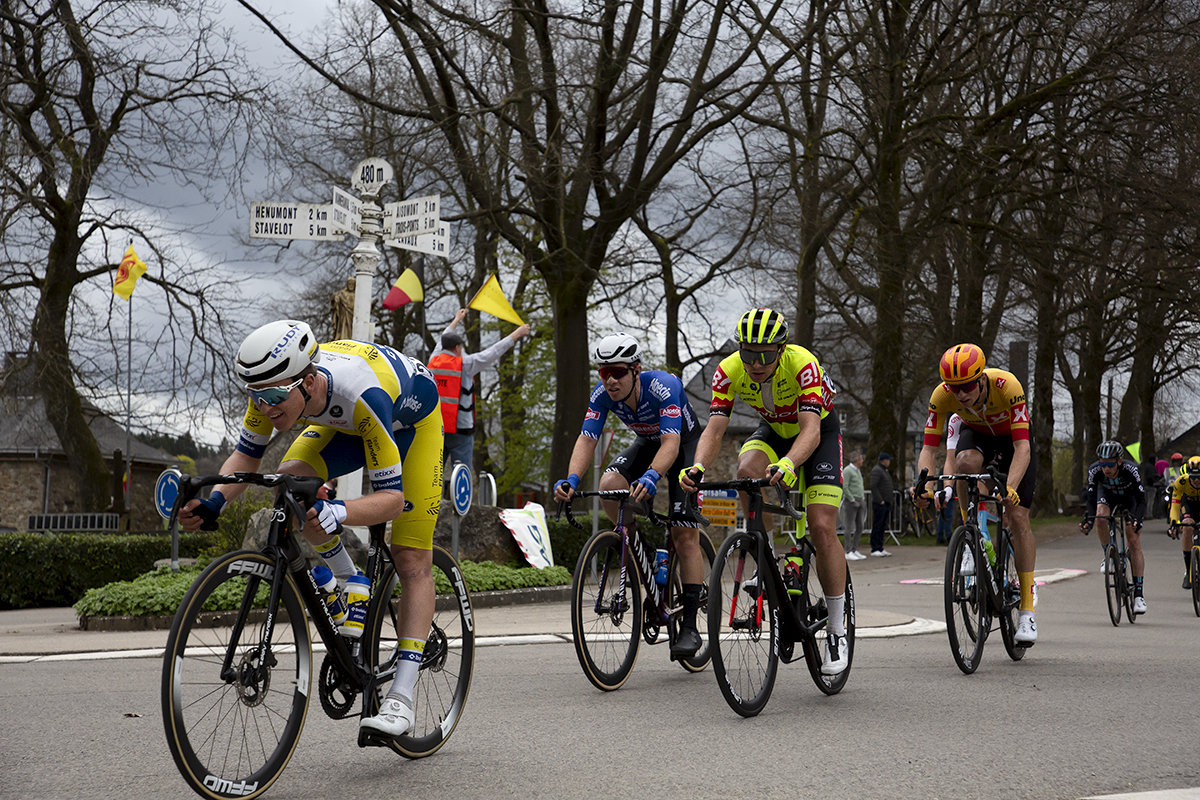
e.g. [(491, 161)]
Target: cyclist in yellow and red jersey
[(786, 385), (995, 432), (1185, 512), (367, 406)]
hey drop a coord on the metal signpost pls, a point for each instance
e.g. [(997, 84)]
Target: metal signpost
[(166, 489), (460, 490), (412, 224)]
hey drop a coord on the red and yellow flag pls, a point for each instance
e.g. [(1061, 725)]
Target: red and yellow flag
[(130, 269), (406, 289), (490, 299)]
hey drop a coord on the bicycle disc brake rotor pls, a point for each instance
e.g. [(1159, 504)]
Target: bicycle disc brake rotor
[(337, 696), (437, 647), (253, 681)]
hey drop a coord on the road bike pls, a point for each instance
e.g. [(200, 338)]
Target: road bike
[(236, 684), (616, 601), (761, 604), (981, 582), (1118, 583), (1174, 531)]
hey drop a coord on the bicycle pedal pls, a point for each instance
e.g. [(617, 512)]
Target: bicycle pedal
[(369, 738)]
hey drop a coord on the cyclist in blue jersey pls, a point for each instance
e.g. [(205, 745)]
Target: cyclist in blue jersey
[(651, 404), (367, 406)]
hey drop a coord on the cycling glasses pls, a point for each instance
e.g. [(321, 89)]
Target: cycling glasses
[(961, 388), (614, 371), (763, 357), (273, 395), (1108, 464)]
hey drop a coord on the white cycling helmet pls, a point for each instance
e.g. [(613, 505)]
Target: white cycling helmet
[(617, 348), (277, 351)]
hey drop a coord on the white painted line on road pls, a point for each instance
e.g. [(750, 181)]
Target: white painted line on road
[(1162, 794), (915, 627), (1041, 577)]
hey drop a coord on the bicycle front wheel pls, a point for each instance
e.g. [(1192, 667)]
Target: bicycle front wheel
[(1196, 579), (967, 619), (698, 661), (742, 633), (1126, 573), (1010, 596), (606, 611), (444, 679), (1112, 584), (811, 608), (232, 729)]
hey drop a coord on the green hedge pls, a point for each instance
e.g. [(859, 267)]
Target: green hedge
[(57, 569), (159, 592), (567, 542)]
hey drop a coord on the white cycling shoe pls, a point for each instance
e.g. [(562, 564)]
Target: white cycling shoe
[(967, 567), (394, 719), (1139, 605), (836, 658), (1026, 630)]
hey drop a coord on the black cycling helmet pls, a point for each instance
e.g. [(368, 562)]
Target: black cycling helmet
[(1109, 450)]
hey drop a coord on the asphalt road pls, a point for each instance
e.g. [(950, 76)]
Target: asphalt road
[(1092, 710)]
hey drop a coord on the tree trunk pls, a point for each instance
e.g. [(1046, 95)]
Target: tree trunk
[(55, 383)]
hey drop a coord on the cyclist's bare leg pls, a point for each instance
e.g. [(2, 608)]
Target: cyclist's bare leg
[(414, 567), (1133, 541), (966, 461), (1024, 548), (754, 464), (1185, 528), (691, 561), (1102, 524), (831, 556), (613, 482)]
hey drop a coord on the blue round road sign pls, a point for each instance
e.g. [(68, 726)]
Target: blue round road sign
[(460, 487), (166, 489)]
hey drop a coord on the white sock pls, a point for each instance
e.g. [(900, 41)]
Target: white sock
[(337, 558), (411, 653), (837, 610)]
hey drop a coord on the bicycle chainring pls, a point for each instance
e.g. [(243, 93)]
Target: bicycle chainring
[(337, 696)]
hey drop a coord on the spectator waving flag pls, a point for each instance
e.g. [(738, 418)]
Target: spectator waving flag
[(128, 272)]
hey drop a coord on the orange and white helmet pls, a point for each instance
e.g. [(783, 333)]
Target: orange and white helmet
[(962, 363)]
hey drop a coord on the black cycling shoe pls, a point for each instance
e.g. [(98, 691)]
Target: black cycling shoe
[(688, 642), (1187, 581)]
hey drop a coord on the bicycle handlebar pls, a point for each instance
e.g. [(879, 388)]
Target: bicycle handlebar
[(992, 473), (749, 485), (300, 491), (620, 495)]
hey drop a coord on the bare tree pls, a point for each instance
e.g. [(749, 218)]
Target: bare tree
[(103, 98)]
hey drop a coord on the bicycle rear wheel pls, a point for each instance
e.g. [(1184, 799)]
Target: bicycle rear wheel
[(444, 679), (698, 661), (1010, 596), (606, 611), (232, 734), (967, 619), (1196, 579), (811, 608), (1112, 584), (741, 625)]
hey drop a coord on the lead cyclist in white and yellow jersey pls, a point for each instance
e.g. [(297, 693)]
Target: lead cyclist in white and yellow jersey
[(366, 406)]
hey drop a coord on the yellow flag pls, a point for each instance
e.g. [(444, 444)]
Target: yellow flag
[(130, 269), (490, 299), (1135, 450)]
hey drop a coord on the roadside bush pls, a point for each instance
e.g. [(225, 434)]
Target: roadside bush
[(57, 569), (160, 591), (568, 542)]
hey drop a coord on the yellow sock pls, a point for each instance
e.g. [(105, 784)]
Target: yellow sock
[(1026, 579)]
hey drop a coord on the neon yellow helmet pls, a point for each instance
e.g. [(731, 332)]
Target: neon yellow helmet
[(762, 326)]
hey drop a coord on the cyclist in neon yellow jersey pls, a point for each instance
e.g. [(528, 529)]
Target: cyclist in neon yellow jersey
[(798, 433), (367, 406)]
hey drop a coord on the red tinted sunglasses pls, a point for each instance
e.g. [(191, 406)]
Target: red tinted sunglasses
[(616, 372)]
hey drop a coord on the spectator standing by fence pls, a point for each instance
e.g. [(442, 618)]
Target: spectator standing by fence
[(882, 489), (854, 504)]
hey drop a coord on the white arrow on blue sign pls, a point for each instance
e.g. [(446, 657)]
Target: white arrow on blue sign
[(166, 489), (460, 488)]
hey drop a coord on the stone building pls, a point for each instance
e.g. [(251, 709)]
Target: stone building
[(37, 479)]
